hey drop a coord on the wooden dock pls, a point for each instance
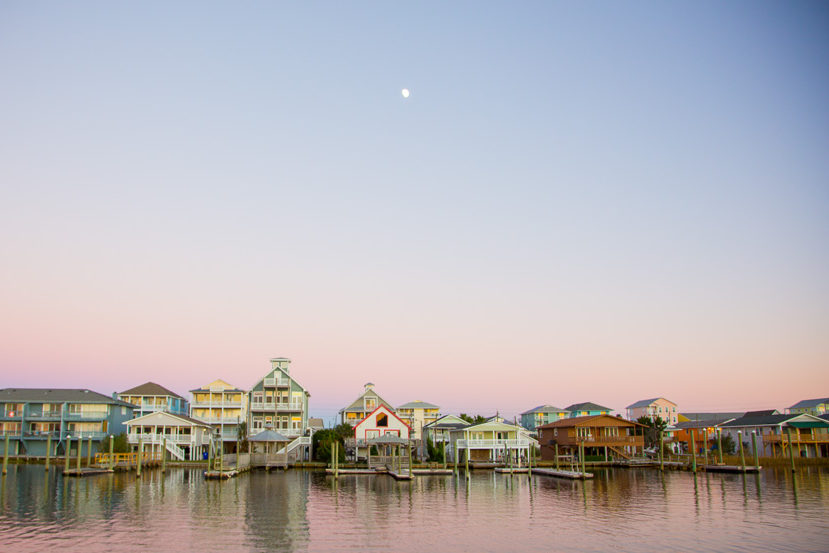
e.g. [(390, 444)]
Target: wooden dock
[(512, 470), (88, 471), (401, 475), (419, 472), (569, 474), (730, 468), (356, 471)]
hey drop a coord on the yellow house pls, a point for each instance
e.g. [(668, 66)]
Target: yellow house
[(491, 442), (224, 407)]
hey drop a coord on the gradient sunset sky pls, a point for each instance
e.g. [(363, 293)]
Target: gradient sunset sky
[(578, 202)]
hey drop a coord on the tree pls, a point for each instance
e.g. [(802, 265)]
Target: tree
[(322, 443), (435, 453), (242, 436), (120, 444), (652, 430), (477, 419)]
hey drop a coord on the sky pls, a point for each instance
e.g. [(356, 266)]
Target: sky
[(591, 201)]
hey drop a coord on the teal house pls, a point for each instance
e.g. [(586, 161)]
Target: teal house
[(587, 409), (543, 414)]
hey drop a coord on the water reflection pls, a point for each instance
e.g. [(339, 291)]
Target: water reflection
[(309, 511)]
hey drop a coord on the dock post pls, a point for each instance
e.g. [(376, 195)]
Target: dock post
[(556, 455), (410, 460), (454, 455), (6, 455), (139, 457), (164, 455), (661, 450), (48, 450), (466, 460), (754, 449), (705, 447), (742, 453), (581, 455), (791, 449), (693, 452), (89, 452), (605, 454), (444, 454), (530, 455), (80, 449), (210, 456), (68, 448), (719, 443), (337, 460), (111, 455)]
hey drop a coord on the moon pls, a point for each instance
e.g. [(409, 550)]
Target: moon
[(405, 92)]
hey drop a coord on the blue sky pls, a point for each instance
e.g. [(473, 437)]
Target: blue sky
[(597, 200)]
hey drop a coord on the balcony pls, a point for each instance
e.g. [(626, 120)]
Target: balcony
[(178, 439), (818, 438), (276, 406), (221, 420), (216, 404), (45, 415), (86, 416), (487, 444), (86, 434), (277, 382), (41, 435)]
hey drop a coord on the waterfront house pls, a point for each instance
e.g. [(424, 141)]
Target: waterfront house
[(278, 402), (653, 408), (541, 415), (439, 430), (380, 422), (185, 438), (587, 409), (817, 407), (703, 427), (600, 434), (363, 405), (225, 408), (151, 397), (418, 414), (809, 434), (31, 416), (491, 442)]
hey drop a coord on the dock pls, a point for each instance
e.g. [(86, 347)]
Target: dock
[(731, 468), (356, 471), (419, 472), (569, 474), (513, 470), (401, 475), (88, 471)]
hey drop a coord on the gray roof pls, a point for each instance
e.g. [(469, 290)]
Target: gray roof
[(442, 423), (418, 405), (388, 439), (824, 416), (58, 395), (805, 403), (645, 402), (760, 420), (587, 406), (701, 423), (704, 417), (545, 409), (268, 436), (150, 389), (357, 404)]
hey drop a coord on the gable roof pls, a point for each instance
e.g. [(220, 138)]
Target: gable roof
[(158, 414), (701, 423), (418, 405), (587, 421), (389, 410), (762, 413), (492, 425), (150, 389), (219, 385), (58, 395), (357, 404), (805, 403), (545, 409), (762, 420), (268, 436), (703, 417), (587, 406), (646, 402), (450, 422)]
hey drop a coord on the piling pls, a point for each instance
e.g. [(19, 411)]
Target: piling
[(705, 447), (111, 456), (581, 456), (210, 456), (140, 454), (605, 454), (556, 455), (410, 459), (6, 456), (164, 455), (754, 449), (80, 449), (89, 452), (68, 448), (693, 452), (791, 449), (454, 455), (742, 453), (530, 455), (466, 460), (48, 450), (719, 443), (444, 454), (661, 453)]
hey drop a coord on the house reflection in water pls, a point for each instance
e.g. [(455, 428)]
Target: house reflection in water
[(276, 515)]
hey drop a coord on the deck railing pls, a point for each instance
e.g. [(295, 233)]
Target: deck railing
[(128, 458), (493, 443)]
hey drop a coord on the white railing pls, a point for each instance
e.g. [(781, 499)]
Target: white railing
[(159, 438), (175, 450), (276, 406), (219, 420), (216, 404), (277, 382), (494, 443), (86, 434), (292, 406)]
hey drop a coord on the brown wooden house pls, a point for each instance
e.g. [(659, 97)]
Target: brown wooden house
[(622, 438)]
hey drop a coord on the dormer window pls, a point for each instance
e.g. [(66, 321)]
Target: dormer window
[(382, 420)]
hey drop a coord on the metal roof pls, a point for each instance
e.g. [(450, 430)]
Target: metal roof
[(646, 402), (587, 406), (760, 420), (809, 403), (58, 395), (418, 405), (388, 439), (545, 409), (268, 436)]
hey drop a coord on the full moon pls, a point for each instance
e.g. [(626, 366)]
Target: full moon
[(405, 92)]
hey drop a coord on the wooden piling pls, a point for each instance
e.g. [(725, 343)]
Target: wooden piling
[(80, 449), (410, 459), (164, 455), (705, 447), (661, 453), (719, 444), (89, 452), (6, 456), (742, 453), (581, 456), (791, 449), (67, 452), (466, 459), (556, 455), (210, 456), (48, 450), (111, 456), (693, 452), (444, 453), (754, 449), (139, 457)]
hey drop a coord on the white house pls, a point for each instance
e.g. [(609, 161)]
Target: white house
[(187, 438), (380, 422)]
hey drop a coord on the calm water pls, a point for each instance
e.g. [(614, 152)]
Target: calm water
[(621, 510)]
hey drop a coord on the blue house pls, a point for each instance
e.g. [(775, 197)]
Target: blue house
[(587, 409), (153, 398), (31, 416), (543, 414)]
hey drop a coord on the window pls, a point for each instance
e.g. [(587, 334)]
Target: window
[(382, 420)]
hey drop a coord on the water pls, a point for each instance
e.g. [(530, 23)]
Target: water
[(621, 510)]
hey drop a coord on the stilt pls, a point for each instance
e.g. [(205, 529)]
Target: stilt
[(791, 449), (139, 457), (466, 459), (48, 450), (89, 452), (754, 449), (6, 456), (581, 456), (719, 444), (67, 452), (742, 453), (705, 447), (661, 452), (80, 448), (444, 454), (111, 456), (164, 456), (410, 459), (556, 455), (693, 453)]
